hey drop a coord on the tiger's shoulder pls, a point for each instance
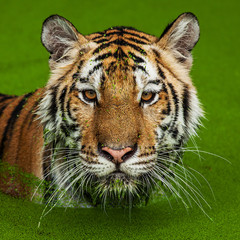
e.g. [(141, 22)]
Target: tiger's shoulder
[(21, 137)]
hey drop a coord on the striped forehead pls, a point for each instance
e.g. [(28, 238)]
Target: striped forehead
[(116, 48)]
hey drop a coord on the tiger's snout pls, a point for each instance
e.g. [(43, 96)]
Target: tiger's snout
[(119, 155)]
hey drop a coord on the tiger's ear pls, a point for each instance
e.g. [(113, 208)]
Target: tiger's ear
[(59, 36), (180, 37)]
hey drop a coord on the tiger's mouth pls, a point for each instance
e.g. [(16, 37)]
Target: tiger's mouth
[(117, 180), (117, 176), (117, 189)]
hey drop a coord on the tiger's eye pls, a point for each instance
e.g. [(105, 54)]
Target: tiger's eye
[(90, 94), (146, 96)]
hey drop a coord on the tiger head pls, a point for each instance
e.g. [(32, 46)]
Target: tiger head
[(119, 105)]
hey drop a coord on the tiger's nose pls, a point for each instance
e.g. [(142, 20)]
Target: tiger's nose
[(118, 156)]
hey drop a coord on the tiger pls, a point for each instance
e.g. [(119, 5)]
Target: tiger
[(113, 118)]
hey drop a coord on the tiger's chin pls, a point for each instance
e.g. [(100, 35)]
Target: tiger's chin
[(118, 189)]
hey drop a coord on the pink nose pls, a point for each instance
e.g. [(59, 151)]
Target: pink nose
[(117, 154)]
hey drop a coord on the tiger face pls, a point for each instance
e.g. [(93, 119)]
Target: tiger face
[(118, 107)]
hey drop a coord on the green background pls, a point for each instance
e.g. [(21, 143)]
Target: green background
[(216, 73)]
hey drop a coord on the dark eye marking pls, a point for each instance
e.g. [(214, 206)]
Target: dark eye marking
[(83, 80), (155, 81), (141, 68), (94, 69)]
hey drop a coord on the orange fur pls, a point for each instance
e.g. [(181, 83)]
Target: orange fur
[(118, 120), (24, 142)]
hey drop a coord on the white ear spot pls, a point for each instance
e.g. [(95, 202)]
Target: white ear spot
[(181, 36), (59, 36)]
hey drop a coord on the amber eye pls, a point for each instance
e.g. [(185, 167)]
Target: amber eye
[(147, 96), (90, 95)]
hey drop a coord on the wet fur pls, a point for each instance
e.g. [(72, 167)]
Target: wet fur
[(37, 130)]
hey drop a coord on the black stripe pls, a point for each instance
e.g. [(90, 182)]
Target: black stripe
[(119, 42), (103, 34), (160, 72), (164, 112), (103, 78), (11, 121), (137, 35), (176, 101), (33, 115), (124, 43), (73, 87), (112, 66), (135, 58), (168, 108), (53, 106), (141, 68), (68, 111), (164, 89), (120, 54), (5, 97), (157, 54), (165, 127), (175, 98), (181, 59), (64, 76), (2, 109), (65, 127), (100, 35), (62, 98), (101, 57), (154, 82), (124, 29), (186, 106), (78, 138), (120, 31), (65, 130), (169, 70), (47, 176), (73, 127), (94, 69), (80, 64), (101, 40), (28, 115), (75, 75), (83, 80), (101, 47), (175, 133), (32, 112), (61, 78), (136, 41)]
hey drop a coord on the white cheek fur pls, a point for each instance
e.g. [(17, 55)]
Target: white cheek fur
[(102, 168)]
